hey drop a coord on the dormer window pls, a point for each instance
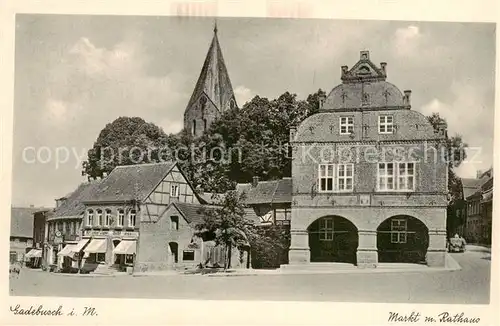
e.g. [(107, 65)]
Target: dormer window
[(385, 124), (346, 125)]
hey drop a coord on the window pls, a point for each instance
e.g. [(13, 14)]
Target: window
[(385, 124), (406, 176), (99, 217), (344, 174), (129, 259), (107, 218), (396, 176), (346, 125), (68, 228), (121, 218), (188, 255), (326, 176), (345, 177), (90, 217), (326, 229), (205, 124), (131, 218), (174, 222), (282, 216), (174, 191), (193, 131), (398, 230), (100, 257)]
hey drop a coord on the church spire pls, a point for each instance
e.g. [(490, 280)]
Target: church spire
[(213, 90)]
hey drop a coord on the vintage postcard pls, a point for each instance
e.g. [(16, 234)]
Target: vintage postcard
[(195, 164)]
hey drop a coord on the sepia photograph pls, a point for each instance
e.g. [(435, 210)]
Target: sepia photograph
[(249, 158)]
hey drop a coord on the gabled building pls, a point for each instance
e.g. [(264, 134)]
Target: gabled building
[(478, 195), (127, 198), (213, 92), (271, 200), (21, 233), (368, 184), (63, 237)]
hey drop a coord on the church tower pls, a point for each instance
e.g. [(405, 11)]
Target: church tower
[(213, 93)]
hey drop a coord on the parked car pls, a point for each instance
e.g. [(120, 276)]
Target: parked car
[(456, 244)]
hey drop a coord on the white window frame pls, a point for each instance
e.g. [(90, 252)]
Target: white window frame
[(174, 190), (406, 176), (120, 221), (401, 234), (345, 177), (107, 217), (333, 172), (383, 124), (326, 176), (132, 213), (348, 123), (90, 217), (396, 177), (326, 229), (99, 217)]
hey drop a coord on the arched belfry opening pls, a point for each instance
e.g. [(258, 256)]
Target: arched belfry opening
[(402, 239), (333, 239)]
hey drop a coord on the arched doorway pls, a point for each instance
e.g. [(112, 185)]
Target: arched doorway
[(333, 239), (174, 250), (402, 239)]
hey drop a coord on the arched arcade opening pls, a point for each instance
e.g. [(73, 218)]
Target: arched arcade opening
[(402, 239), (333, 239)]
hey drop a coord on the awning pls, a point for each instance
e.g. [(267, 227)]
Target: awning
[(78, 247), (96, 246), (66, 251), (126, 247), (34, 253)]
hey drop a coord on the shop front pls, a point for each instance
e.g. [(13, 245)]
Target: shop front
[(115, 249)]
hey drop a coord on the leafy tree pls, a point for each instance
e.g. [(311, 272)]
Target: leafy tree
[(254, 141), (269, 246), (455, 154), (125, 141), (227, 224)]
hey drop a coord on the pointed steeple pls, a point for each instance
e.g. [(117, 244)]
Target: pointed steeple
[(213, 89), (214, 79)]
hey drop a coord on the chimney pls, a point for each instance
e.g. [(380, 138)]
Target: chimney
[(255, 181), (478, 174), (407, 98), (344, 70), (321, 98), (383, 65)]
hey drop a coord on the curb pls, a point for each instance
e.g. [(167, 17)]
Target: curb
[(476, 248)]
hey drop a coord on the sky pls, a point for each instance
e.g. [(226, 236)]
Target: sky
[(75, 74)]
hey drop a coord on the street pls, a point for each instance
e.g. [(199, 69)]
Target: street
[(471, 285)]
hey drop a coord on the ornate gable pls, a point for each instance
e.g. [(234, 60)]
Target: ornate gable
[(364, 71)]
